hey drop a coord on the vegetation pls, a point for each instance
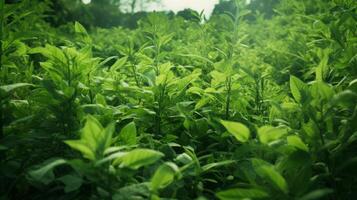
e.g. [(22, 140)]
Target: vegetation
[(256, 102)]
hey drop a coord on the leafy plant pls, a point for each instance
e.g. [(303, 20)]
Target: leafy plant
[(256, 102)]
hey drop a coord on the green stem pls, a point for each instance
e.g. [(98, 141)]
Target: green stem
[(161, 90), (321, 124), (160, 108), (90, 90), (257, 96), (228, 99), (135, 76)]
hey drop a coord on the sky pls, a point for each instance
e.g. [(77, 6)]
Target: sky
[(177, 5)]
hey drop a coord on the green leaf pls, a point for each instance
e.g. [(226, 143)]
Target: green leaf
[(71, 182), (353, 85), (164, 176), (45, 174), (100, 99), (242, 193), (50, 52), (9, 88), (268, 172), (135, 191), (82, 147), (322, 90), (322, 69), (346, 98), (106, 138), (316, 194), (183, 158), (110, 158), (296, 141), (275, 177), (91, 132), (311, 129), (238, 130), (119, 63), (138, 157), (128, 134), (217, 164), (78, 28), (297, 88), (269, 134), (94, 139)]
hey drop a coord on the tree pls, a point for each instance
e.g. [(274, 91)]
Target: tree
[(133, 5), (262, 6)]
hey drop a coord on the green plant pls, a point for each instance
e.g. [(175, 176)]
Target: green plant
[(258, 102)]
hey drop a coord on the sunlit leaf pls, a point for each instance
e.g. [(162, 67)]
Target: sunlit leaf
[(9, 88), (238, 130), (138, 158), (163, 176), (269, 134), (128, 134), (269, 173), (297, 88), (296, 141)]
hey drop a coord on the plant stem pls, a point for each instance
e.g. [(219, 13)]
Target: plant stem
[(135, 76), (321, 122), (161, 89), (160, 108), (257, 96), (228, 99), (90, 89)]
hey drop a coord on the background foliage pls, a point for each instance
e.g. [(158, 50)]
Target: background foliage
[(257, 102)]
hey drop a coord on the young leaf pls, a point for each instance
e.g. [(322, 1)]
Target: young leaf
[(138, 157), (269, 134), (297, 88), (217, 164), (268, 172), (134, 191), (322, 69), (106, 138), (238, 130), (82, 147), (119, 63), (94, 139), (163, 176), (296, 141), (78, 28), (322, 90), (128, 134), (91, 132), (8, 88)]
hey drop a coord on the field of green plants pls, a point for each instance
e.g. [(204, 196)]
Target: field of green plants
[(237, 106)]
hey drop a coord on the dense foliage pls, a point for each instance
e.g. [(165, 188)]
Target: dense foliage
[(245, 105)]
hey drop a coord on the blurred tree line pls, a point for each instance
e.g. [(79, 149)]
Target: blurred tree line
[(264, 7), (126, 13)]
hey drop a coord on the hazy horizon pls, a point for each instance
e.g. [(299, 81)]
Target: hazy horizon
[(176, 5), (206, 6)]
